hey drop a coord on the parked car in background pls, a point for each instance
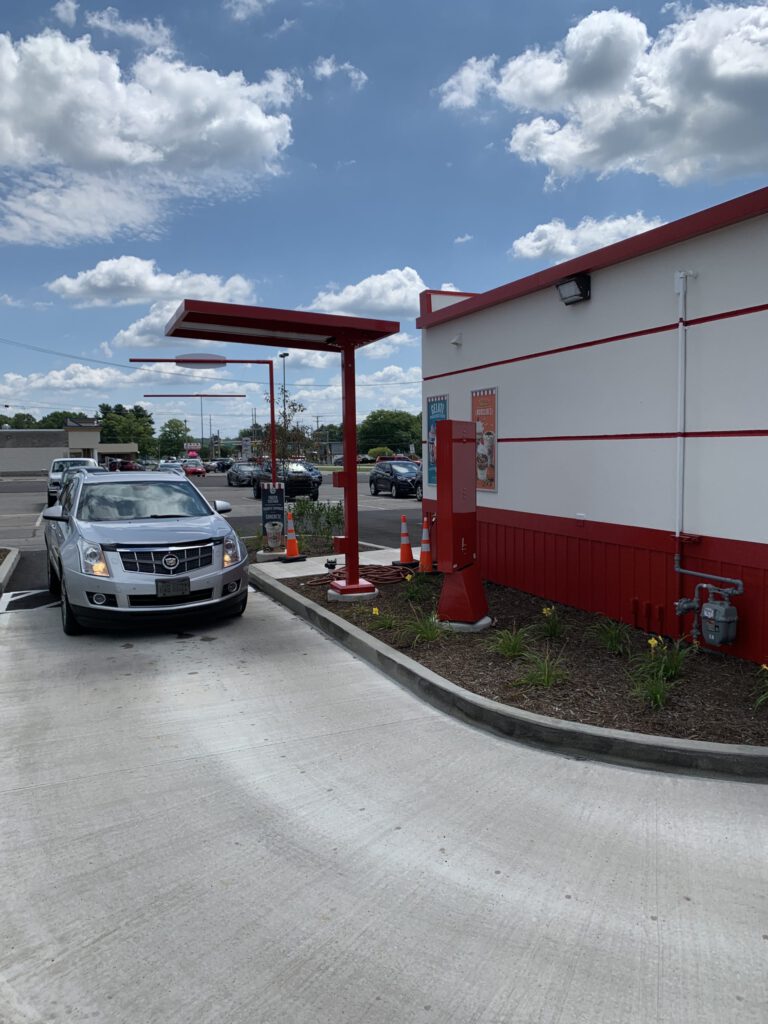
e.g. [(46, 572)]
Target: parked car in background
[(398, 478), (338, 460), (124, 466), (296, 477), (71, 471), (194, 467), (54, 475), (137, 546), (364, 459), (222, 465), (314, 472), (241, 474), (171, 467)]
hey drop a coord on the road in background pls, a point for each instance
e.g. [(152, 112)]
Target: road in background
[(23, 499)]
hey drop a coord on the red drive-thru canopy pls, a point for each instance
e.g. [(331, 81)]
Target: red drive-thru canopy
[(318, 332)]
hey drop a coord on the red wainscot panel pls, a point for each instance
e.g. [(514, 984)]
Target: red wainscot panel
[(624, 572)]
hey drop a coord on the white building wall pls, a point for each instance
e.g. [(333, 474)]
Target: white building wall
[(626, 387), (29, 460)]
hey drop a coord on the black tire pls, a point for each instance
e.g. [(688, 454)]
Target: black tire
[(229, 482), (372, 486), (419, 492), (257, 490), (54, 583), (51, 501), (240, 606), (393, 491), (69, 622), (314, 495)]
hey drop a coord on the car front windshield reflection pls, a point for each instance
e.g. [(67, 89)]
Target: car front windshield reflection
[(115, 501)]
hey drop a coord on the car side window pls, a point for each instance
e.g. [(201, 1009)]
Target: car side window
[(66, 496)]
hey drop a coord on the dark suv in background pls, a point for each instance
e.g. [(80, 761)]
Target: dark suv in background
[(299, 480), (398, 478)]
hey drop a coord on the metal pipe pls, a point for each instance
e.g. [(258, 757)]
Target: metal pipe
[(349, 435), (736, 583), (681, 288)]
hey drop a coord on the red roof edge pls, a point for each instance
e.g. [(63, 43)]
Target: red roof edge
[(721, 216)]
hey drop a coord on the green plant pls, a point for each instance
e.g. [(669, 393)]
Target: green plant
[(543, 669), (511, 643), (419, 587), (762, 687), (652, 686), (423, 629), (614, 636), (551, 626), (381, 620), (321, 519)]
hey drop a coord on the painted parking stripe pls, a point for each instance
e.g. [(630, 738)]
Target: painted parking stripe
[(23, 600)]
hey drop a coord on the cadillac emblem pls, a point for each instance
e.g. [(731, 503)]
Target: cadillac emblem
[(171, 562)]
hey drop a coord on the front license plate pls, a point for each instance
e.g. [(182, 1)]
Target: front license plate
[(172, 588)]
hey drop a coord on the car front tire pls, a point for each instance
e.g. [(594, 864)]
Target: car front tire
[(419, 492), (314, 495), (393, 491), (372, 486), (69, 622), (229, 482)]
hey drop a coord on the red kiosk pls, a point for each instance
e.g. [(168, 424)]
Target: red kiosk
[(317, 332)]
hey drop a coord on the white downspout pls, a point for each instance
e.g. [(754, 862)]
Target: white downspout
[(681, 290)]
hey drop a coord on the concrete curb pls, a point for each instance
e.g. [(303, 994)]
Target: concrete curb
[(586, 742), (9, 563)]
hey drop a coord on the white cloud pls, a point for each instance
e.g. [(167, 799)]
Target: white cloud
[(66, 11), (687, 104), (554, 240), (285, 25), (7, 300), (89, 150), (154, 35), (394, 294), (327, 67), (388, 346), (241, 10), (462, 239), (129, 280)]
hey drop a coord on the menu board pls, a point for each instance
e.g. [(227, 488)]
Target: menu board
[(437, 409)]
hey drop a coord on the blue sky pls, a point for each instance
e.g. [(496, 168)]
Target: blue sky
[(336, 155)]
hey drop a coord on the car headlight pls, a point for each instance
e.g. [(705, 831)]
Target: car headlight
[(231, 550), (92, 558)]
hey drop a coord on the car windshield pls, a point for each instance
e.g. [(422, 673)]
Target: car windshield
[(153, 499), (61, 464), (404, 468), (295, 467)]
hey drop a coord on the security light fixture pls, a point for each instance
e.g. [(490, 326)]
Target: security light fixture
[(575, 289)]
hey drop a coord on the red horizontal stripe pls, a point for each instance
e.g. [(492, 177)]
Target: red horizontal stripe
[(746, 311), (651, 436)]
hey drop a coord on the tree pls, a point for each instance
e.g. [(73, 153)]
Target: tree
[(290, 434), (391, 429), (120, 425), (173, 436), (57, 419), (23, 421)]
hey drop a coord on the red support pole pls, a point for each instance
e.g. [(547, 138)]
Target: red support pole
[(273, 438), (352, 586)]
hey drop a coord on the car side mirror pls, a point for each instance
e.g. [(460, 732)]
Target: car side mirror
[(55, 514), (222, 506)]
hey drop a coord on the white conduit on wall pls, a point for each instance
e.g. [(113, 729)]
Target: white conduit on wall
[(681, 289)]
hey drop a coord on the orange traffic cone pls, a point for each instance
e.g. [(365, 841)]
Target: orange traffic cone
[(425, 554), (291, 544), (406, 560)]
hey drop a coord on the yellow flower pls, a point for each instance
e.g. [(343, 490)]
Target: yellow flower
[(653, 643), (547, 611), (764, 668), (409, 577), (375, 611)]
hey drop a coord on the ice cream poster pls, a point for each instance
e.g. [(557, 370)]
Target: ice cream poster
[(484, 418), (437, 409)]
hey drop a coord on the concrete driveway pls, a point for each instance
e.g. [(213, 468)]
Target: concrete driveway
[(243, 823)]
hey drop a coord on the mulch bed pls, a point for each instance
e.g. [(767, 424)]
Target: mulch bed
[(714, 698)]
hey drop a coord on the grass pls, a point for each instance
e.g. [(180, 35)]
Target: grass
[(422, 629), (615, 637), (551, 626)]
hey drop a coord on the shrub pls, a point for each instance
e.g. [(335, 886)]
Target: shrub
[(552, 626), (423, 629), (376, 452), (321, 519)]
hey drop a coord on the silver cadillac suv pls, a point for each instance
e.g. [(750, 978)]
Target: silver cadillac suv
[(133, 547)]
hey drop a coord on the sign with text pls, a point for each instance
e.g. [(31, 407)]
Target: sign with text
[(273, 515), (437, 409), (484, 411)]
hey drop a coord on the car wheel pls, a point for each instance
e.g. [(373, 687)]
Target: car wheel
[(393, 491), (419, 492), (314, 495), (257, 490), (69, 623), (229, 482), (372, 486), (51, 501), (240, 606), (54, 584)]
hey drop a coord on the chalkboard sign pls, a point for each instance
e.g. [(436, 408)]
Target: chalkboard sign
[(273, 515)]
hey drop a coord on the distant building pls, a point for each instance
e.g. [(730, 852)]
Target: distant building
[(31, 452)]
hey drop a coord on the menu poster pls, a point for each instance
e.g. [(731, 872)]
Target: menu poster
[(484, 405), (437, 409)]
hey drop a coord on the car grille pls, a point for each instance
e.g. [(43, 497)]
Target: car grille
[(150, 560), (153, 601)]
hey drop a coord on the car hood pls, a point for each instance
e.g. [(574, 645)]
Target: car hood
[(146, 532)]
